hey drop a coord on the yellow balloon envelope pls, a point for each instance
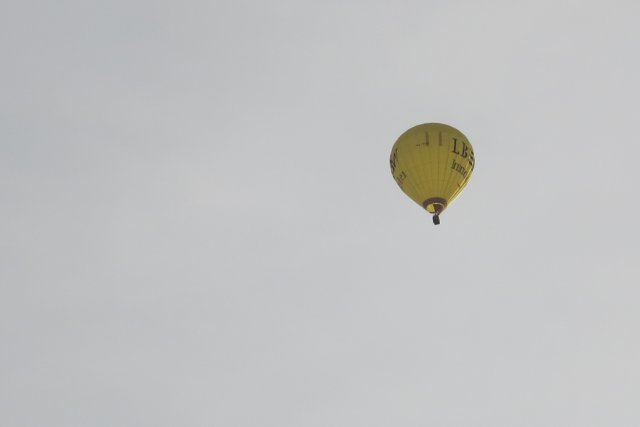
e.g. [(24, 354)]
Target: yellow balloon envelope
[(432, 163)]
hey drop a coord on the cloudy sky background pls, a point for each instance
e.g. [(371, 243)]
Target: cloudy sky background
[(200, 228)]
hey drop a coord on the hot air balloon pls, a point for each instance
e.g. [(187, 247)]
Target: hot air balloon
[(432, 163)]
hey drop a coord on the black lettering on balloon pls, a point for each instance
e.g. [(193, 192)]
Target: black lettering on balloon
[(393, 160), (400, 178), (463, 150), (459, 168), (426, 141), (455, 147)]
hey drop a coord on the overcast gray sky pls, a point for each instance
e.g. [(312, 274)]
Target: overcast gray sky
[(199, 226)]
